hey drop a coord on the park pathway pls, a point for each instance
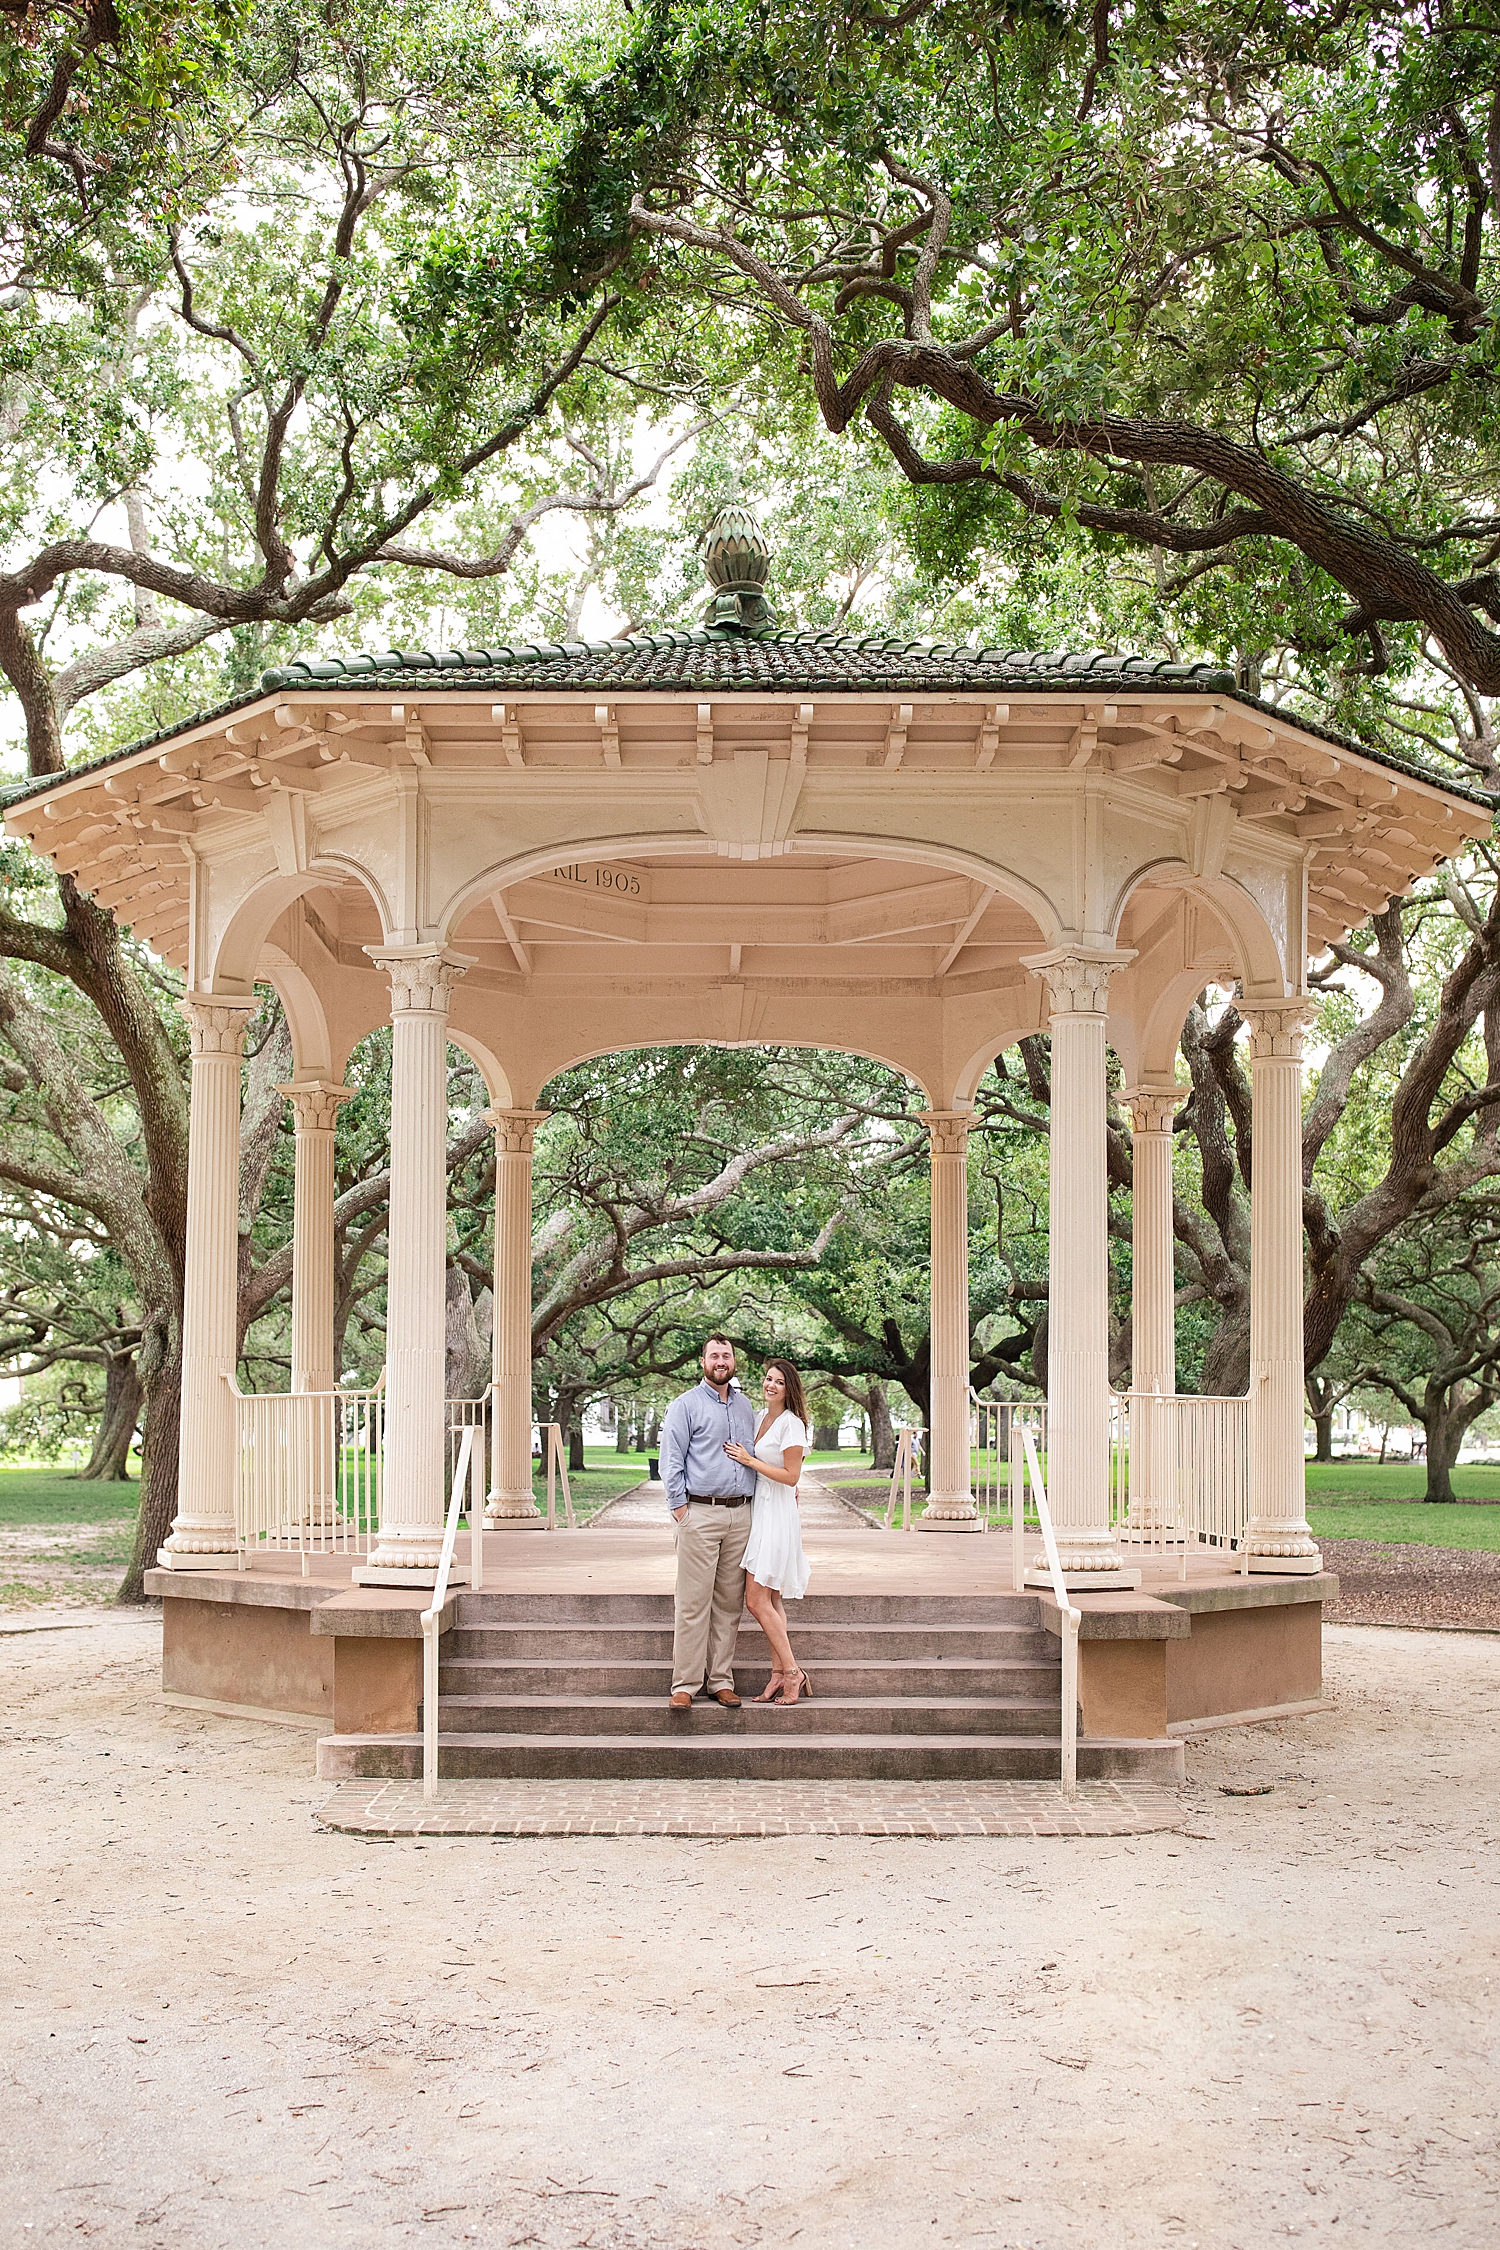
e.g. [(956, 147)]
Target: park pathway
[(646, 1507)]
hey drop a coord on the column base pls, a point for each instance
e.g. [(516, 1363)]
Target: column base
[(168, 1558), (373, 1574), (1286, 1566), (948, 1523), (1085, 1581), (513, 1511)]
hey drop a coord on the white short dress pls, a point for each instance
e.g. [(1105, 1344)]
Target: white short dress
[(774, 1555)]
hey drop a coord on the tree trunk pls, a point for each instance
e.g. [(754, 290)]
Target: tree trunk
[(622, 1430), (1323, 1424), (466, 1338), (882, 1435), (825, 1437), (1443, 1442), (123, 1399), (1447, 1423), (575, 1447), (161, 1369)]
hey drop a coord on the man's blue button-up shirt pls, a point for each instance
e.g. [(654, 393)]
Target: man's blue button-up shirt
[(693, 1437)]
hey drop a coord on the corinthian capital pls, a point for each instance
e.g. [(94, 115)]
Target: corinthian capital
[(422, 976), (1276, 1028), (1152, 1107), (515, 1129), (217, 1026), (948, 1130), (1077, 976), (315, 1106)]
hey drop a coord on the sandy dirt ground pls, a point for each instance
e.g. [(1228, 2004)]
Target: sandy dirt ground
[(226, 2027)]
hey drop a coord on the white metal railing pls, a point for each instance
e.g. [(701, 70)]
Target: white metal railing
[(1025, 1463), (991, 1424), (1180, 1473), (308, 1470), (557, 1469), (468, 1488), (907, 1464), (462, 1414)]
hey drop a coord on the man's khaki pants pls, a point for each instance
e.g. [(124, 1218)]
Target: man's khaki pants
[(711, 1545)]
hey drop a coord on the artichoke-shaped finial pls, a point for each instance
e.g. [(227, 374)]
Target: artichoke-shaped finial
[(737, 559)]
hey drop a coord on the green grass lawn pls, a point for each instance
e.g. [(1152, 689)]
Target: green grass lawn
[(1383, 1501), (1336, 1483), (47, 1495)]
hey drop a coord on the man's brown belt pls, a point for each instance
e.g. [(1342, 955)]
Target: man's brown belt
[(716, 1500)]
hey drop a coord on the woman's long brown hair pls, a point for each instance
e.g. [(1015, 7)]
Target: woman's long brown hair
[(796, 1397)]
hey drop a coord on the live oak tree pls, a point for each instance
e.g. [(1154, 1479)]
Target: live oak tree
[(1207, 283), (1427, 1326), (227, 398)]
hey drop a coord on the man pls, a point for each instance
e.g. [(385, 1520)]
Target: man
[(709, 1496)]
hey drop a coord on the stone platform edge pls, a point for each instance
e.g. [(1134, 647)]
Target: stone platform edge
[(1167, 1612), (367, 1612), (391, 1810)]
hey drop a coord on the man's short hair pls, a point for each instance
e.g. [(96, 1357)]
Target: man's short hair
[(717, 1336)]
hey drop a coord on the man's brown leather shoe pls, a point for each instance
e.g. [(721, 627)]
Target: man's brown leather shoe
[(727, 1697), (681, 1703)]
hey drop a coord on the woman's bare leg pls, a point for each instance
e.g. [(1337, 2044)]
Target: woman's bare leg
[(764, 1605)]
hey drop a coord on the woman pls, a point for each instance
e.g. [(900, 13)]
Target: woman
[(775, 1565)]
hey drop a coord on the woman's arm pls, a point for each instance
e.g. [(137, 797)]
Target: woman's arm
[(788, 1473)]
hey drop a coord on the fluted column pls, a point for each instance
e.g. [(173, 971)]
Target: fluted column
[(1278, 1536), (315, 1108), (411, 1485), (511, 1506), (1153, 1326), (950, 1502), (202, 1535), (1078, 1401)]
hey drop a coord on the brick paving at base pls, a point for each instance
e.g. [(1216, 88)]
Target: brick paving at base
[(751, 1808)]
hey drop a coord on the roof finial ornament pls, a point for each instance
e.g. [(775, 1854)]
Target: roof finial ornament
[(737, 559)]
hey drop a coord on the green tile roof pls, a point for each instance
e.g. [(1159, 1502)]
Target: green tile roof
[(823, 663)]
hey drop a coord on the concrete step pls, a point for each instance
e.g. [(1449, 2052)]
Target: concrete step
[(815, 1644), (641, 1716), (719, 1755), (932, 1676), (511, 1608)]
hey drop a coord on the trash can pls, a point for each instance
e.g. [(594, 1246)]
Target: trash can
[(655, 1467)]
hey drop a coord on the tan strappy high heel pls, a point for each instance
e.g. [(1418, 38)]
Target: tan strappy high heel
[(770, 1689), (799, 1683)]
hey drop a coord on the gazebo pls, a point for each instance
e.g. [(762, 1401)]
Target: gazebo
[(914, 851)]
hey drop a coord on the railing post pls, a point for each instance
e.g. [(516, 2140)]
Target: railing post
[(476, 1511), (432, 1617), (1017, 1505), (1070, 1624)]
